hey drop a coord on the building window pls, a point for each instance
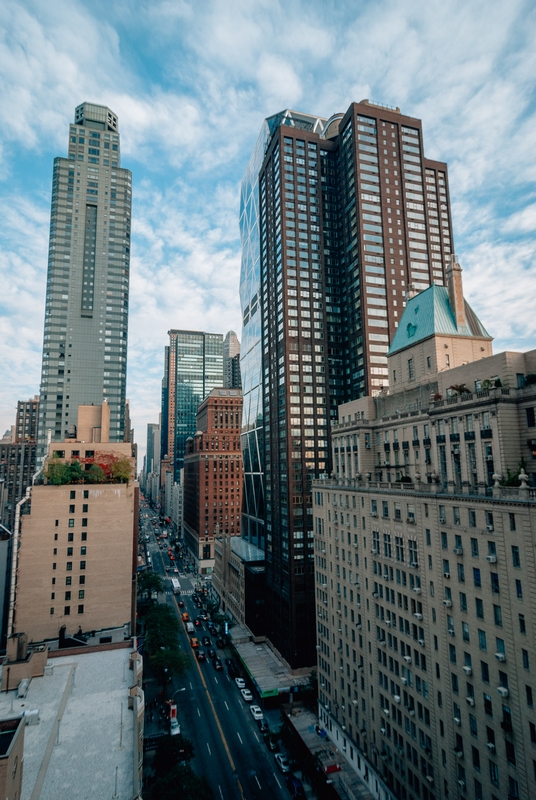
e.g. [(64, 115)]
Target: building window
[(85, 508), (70, 537), (71, 523), (86, 494), (67, 595), (488, 709), (477, 578), (68, 580), (82, 580), (515, 557), (69, 551), (525, 655), (84, 536), (411, 369), (472, 517), (82, 565), (71, 509), (84, 522), (81, 609), (497, 615), (519, 590), (54, 565), (83, 551), (51, 610), (67, 611), (482, 640), (69, 566), (81, 594), (522, 625)]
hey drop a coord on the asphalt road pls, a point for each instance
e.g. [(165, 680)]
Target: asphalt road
[(229, 749)]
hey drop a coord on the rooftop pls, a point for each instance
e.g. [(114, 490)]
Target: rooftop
[(245, 550), (88, 693), (430, 312), (270, 675)]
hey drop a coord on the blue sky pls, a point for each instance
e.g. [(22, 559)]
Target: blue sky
[(191, 83)]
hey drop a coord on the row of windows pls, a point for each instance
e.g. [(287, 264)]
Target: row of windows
[(67, 610)]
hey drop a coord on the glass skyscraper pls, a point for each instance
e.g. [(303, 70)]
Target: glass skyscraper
[(340, 219), (86, 315), (193, 368)]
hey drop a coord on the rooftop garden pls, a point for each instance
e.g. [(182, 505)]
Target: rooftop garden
[(102, 468)]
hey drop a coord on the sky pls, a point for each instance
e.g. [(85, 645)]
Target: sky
[(191, 83)]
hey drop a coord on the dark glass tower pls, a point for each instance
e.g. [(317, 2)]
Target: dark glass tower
[(86, 315), (341, 217)]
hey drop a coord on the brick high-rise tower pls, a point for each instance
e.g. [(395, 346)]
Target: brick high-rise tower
[(339, 218)]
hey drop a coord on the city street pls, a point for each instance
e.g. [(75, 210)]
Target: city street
[(229, 749)]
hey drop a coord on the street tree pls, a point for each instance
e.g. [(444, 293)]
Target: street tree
[(172, 750), (149, 582), (168, 663), (181, 782)]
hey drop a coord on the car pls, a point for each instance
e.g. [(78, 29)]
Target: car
[(181, 603), (295, 787), (201, 655), (211, 653), (197, 623), (217, 664), (246, 694), (185, 617), (240, 682), (206, 641), (194, 642), (232, 670), (263, 725), (174, 727), (256, 712), (220, 643), (282, 762)]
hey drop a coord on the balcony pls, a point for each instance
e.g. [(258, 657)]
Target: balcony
[(469, 436), (486, 433)]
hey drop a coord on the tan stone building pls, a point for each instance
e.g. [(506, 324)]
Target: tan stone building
[(425, 565), (78, 541)]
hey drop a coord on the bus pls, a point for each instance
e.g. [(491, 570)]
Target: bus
[(176, 586)]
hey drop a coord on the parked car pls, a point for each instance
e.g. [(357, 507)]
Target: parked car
[(185, 617), (282, 762), (271, 743), (240, 682), (246, 694), (194, 642), (217, 664), (174, 727), (263, 725), (256, 712), (233, 670), (206, 641), (295, 787), (201, 655)]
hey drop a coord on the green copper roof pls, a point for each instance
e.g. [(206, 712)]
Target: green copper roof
[(430, 313)]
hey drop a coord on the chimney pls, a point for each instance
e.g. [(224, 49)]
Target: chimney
[(455, 287)]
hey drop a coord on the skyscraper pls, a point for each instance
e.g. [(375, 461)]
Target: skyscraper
[(231, 361), (193, 367), (86, 315), (339, 218)]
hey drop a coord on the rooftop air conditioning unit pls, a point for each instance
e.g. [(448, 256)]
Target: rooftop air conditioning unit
[(358, 605), (470, 700), (489, 527), (323, 551), (418, 616), (491, 559), (503, 691), (388, 623), (451, 632), (373, 513), (405, 681), (375, 594), (491, 747), (414, 564), (421, 642), (468, 670), (417, 589), (457, 721), (386, 711), (354, 702), (382, 642), (407, 659), (458, 551), (443, 520), (447, 603), (446, 574), (324, 586), (500, 656), (396, 698)]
